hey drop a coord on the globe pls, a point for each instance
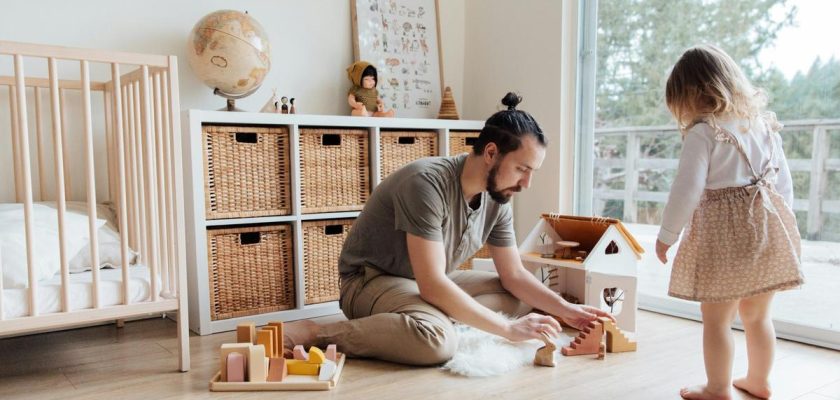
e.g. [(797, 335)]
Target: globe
[(229, 51)]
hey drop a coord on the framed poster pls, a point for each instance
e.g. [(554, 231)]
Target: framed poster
[(401, 38)]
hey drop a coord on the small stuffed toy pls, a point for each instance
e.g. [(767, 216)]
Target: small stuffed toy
[(363, 96)]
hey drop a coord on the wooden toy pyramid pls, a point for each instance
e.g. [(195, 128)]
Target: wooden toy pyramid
[(447, 106)]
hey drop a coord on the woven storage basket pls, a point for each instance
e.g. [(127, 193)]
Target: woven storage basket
[(461, 141), (483, 252), (397, 148), (334, 168), (322, 243), (251, 271), (246, 172)]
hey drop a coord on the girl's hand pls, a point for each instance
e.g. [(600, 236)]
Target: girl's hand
[(661, 249)]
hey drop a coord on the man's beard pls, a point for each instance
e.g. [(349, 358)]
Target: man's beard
[(492, 189)]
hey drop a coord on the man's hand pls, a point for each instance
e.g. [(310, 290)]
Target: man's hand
[(579, 316), (661, 250), (532, 326)]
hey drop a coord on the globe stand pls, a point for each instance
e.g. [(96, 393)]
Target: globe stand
[(231, 98)]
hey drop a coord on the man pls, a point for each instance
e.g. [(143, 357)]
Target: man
[(400, 287)]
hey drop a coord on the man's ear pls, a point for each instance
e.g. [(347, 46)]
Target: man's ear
[(490, 152)]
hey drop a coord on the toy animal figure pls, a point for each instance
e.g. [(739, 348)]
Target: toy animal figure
[(363, 96)]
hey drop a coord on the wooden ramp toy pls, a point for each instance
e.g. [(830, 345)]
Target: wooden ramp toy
[(587, 342), (617, 341)]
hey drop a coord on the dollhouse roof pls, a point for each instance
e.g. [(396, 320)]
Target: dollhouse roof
[(588, 230)]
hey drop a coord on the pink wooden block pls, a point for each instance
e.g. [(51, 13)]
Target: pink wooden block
[(331, 353), (235, 367), (300, 353)]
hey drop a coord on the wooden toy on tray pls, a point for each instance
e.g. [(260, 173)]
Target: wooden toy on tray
[(256, 363)]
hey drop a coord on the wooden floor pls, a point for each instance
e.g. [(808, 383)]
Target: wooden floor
[(139, 361)]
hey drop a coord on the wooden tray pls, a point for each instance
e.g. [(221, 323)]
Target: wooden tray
[(292, 382)]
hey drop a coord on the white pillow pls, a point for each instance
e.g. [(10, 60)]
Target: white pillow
[(45, 241), (109, 252)]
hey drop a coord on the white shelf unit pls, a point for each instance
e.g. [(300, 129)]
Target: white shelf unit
[(197, 224)]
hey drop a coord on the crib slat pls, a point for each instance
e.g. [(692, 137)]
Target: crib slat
[(121, 195), (109, 145), (128, 180), (160, 221), (23, 134), (65, 148), (13, 117), (91, 182), (139, 174), (170, 190), (40, 144), (150, 188), (58, 155)]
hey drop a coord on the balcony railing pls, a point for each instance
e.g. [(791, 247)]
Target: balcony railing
[(819, 166)]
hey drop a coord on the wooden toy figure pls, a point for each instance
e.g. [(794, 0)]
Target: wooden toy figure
[(363, 96), (292, 105), (284, 108)]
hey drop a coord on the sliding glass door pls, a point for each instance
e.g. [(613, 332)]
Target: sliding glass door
[(630, 147)]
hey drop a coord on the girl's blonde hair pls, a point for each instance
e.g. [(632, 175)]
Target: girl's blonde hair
[(705, 83)]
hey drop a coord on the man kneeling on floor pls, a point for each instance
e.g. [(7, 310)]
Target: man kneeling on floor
[(400, 287)]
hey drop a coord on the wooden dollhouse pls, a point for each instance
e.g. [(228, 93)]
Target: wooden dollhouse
[(595, 263)]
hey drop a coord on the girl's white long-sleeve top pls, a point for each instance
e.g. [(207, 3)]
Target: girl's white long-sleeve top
[(706, 163)]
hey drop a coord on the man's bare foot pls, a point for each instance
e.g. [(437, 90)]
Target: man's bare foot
[(757, 389), (700, 392), (303, 332)]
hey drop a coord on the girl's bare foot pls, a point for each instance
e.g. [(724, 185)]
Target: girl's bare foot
[(757, 389), (701, 392), (303, 332)]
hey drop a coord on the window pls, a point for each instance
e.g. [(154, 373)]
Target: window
[(629, 145)]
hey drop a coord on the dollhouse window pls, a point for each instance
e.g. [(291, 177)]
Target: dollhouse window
[(612, 248)]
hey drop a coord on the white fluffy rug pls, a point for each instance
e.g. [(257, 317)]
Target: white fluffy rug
[(483, 354)]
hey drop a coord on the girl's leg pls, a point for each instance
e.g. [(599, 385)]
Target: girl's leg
[(717, 352), (761, 342)]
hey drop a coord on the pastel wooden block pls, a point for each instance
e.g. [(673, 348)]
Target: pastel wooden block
[(235, 367), (301, 367), (246, 333), (300, 354), (316, 356), (278, 337), (257, 364), (332, 350), (265, 337), (227, 348), (277, 369), (327, 370)]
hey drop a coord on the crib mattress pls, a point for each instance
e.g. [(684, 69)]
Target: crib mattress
[(16, 301)]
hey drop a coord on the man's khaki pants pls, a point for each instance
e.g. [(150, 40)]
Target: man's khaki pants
[(389, 321)]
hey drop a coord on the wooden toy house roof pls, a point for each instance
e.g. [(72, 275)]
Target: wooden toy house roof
[(588, 230)]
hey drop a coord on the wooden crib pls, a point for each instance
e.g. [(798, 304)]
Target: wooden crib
[(141, 137)]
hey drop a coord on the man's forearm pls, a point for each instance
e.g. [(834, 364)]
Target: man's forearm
[(528, 288), (453, 301)]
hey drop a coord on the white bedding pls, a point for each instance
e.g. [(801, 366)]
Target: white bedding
[(16, 301)]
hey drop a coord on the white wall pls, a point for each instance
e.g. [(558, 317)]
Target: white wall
[(311, 45), (515, 46), (489, 47)]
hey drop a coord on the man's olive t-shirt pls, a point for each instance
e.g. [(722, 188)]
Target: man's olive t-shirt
[(423, 198)]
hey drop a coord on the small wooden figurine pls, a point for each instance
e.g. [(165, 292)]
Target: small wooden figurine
[(284, 108), (292, 105), (545, 354)]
